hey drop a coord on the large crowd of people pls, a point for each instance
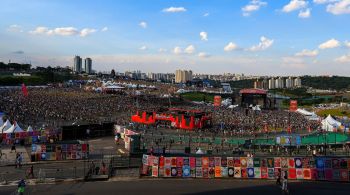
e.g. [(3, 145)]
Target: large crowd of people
[(65, 106)]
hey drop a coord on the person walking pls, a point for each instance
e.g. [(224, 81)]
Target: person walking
[(285, 184), (21, 186)]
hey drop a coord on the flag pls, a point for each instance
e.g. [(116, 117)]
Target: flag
[(24, 90), (309, 129), (289, 129)]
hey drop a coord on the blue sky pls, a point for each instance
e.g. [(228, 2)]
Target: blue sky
[(260, 37)]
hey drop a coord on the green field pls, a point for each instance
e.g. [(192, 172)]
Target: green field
[(334, 112), (197, 96)]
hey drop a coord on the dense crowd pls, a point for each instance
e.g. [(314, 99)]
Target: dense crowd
[(65, 106)]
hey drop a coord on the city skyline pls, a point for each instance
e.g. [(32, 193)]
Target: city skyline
[(255, 37)]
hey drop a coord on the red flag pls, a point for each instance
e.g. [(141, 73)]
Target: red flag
[(309, 129), (24, 90), (266, 128)]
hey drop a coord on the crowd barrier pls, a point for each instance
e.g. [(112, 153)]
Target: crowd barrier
[(296, 168)]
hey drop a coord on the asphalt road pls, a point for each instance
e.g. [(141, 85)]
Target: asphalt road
[(184, 186)]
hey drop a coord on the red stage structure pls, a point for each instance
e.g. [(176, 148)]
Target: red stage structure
[(178, 118)]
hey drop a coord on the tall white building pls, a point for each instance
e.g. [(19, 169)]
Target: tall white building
[(297, 82), (88, 65), (289, 82), (272, 83), (279, 83), (77, 64), (182, 76)]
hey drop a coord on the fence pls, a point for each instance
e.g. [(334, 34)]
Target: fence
[(298, 168)]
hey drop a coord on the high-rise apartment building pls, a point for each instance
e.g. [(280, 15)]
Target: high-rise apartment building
[(88, 65), (182, 76), (77, 64)]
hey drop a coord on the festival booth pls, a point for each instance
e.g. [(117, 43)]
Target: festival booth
[(296, 168), (15, 134), (45, 152), (5, 126), (132, 141), (330, 124)]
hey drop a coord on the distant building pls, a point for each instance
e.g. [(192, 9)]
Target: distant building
[(272, 83), (279, 83), (77, 64), (297, 82), (226, 87), (182, 76), (289, 82), (88, 65)]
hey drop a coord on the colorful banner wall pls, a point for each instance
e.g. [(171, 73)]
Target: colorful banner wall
[(43, 152), (296, 168)]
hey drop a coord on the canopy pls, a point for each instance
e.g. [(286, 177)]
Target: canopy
[(5, 126), (330, 123), (15, 128), (199, 151), (308, 115), (30, 129)]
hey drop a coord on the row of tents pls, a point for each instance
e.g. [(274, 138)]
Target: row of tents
[(7, 127)]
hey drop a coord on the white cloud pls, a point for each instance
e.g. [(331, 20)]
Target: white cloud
[(323, 1), (293, 62), (143, 24), (332, 43), (204, 36), (340, 7), (305, 13), (264, 44), (174, 9), (253, 6), (203, 55), (190, 49), (347, 44), (143, 47), (206, 14), (177, 50), (230, 46), (104, 29), (343, 59), (294, 5), (62, 31), (15, 28), (161, 50), (307, 53), (86, 31), (68, 31), (39, 30)]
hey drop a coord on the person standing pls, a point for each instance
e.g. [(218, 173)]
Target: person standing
[(31, 172)]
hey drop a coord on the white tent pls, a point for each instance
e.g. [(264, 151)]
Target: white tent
[(30, 129), (200, 151), (308, 115), (5, 126), (15, 128), (330, 123)]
